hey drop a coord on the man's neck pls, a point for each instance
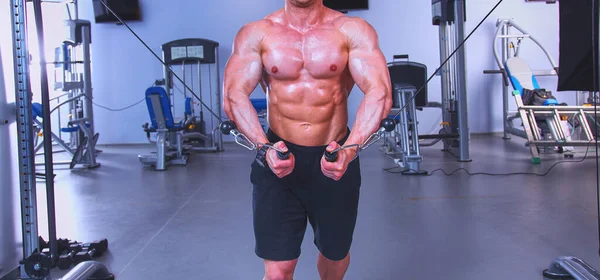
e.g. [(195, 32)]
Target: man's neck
[(304, 18)]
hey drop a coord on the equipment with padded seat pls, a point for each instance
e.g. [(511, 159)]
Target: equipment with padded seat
[(548, 123), (406, 78), (80, 154), (198, 59), (169, 147), (178, 118), (521, 77), (73, 82), (544, 125)]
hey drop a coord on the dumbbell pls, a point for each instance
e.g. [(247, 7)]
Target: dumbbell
[(90, 251), (100, 245), (61, 244), (87, 254), (65, 260)]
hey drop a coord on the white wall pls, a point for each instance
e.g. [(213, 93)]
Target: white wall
[(10, 218), (123, 68)]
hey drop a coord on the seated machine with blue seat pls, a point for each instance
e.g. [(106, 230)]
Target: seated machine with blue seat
[(521, 77), (196, 132), (85, 151), (544, 125), (544, 122), (169, 144)]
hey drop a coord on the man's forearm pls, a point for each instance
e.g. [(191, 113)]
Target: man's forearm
[(374, 107), (239, 109)]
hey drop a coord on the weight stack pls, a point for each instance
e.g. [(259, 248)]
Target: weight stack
[(578, 58)]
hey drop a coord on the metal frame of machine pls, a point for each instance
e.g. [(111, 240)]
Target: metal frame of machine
[(403, 143), (36, 265), (449, 15), (177, 139), (74, 78), (404, 140), (547, 119)]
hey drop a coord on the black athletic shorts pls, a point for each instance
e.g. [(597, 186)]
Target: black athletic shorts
[(281, 207)]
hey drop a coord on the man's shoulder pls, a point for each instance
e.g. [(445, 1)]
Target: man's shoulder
[(351, 24), (257, 25), (254, 31)]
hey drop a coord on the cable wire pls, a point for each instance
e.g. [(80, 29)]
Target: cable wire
[(499, 174), (121, 109)]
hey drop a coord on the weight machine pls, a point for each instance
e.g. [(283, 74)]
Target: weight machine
[(406, 77), (449, 15), (72, 77), (544, 126), (409, 86), (37, 261), (177, 139)]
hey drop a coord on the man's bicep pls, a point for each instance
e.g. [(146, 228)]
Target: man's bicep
[(244, 68), (367, 63), (242, 73), (369, 70)]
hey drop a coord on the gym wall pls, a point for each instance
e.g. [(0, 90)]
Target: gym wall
[(123, 68), (10, 219)]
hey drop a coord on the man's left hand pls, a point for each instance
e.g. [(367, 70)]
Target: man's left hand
[(335, 170)]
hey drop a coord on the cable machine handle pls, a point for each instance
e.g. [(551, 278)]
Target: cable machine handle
[(400, 56)]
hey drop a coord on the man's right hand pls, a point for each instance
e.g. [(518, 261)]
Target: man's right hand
[(281, 168)]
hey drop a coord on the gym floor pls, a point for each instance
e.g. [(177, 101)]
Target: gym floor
[(195, 222)]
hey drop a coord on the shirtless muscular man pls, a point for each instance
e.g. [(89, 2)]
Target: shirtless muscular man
[(307, 58)]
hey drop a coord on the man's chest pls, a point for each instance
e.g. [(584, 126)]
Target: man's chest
[(321, 53)]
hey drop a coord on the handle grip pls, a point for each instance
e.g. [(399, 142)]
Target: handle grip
[(283, 155), (331, 157), (400, 56)]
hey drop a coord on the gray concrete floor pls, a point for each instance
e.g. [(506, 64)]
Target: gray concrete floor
[(195, 222)]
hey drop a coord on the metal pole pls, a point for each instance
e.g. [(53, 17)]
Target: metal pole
[(47, 128), (76, 9), (25, 130), (461, 86), (595, 22), (444, 75), (504, 31), (219, 135), (453, 66), (88, 112)]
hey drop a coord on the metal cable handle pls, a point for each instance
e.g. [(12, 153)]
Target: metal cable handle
[(229, 128), (387, 125)]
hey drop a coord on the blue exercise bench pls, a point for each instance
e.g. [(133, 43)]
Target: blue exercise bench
[(521, 77), (169, 146), (542, 124), (82, 153)]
